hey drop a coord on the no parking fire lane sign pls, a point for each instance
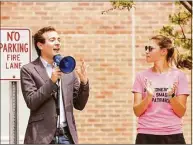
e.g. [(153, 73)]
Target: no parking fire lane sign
[(15, 48)]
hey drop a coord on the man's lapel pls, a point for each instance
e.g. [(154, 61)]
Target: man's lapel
[(39, 67)]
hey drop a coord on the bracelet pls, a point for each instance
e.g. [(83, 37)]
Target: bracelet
[(173, 95)]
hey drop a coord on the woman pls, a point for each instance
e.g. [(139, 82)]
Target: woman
[(160, 95)]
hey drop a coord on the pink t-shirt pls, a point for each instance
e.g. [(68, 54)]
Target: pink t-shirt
[(159, 118)]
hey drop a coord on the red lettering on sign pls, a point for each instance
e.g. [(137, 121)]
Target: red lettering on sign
[(13, 35), (13, 57), (14, 47), (13, 65)]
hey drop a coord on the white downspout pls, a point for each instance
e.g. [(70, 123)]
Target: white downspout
[(133, 64)]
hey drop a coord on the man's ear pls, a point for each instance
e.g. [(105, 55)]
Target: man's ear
[(39, 45)]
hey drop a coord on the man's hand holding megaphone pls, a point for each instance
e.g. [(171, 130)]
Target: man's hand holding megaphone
[(56, 74)]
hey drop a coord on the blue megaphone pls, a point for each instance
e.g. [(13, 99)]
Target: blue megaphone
[(66, 64)]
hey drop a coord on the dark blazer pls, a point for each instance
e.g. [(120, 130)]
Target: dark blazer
[(39, 92)]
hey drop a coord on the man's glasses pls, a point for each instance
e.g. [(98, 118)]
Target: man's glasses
[(149, 48)]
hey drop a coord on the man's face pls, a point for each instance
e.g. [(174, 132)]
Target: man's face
[(51, 46)]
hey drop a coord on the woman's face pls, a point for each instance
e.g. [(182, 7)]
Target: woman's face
[(153, 52)]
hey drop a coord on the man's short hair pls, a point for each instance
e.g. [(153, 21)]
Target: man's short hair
[(39, 38)]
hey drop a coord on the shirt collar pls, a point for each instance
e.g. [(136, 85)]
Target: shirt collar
[(44, 62)]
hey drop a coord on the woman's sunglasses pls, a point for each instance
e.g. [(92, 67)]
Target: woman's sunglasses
[(149, 48)]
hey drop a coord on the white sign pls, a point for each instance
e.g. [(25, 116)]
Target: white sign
[(15, 48)]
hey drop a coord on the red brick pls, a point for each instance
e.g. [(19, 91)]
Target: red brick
[(5, 17)]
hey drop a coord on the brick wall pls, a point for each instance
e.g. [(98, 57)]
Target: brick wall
[(105, 42)]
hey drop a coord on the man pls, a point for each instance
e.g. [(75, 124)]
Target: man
[(40, 84)]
